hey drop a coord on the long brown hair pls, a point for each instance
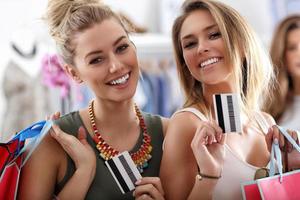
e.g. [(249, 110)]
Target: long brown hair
[(283, 94), (252, 68)]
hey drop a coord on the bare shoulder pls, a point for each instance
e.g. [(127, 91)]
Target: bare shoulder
[(178, 163), (165, 124), (40, 173), (182, 127)]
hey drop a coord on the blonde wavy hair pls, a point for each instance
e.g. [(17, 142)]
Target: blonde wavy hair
[(252, 69), (283, 95), (66, 18)]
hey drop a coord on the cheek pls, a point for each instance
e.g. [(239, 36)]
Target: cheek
[(189, 58), (289, 61)]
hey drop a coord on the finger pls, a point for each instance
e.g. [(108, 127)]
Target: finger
[(269, 138), (282, 142), (144, 197), (148, 189), (276, 134), (223, 139), (155, 181), (61, 137), (200, 137), (82, 135), (216, 127), (55, 116), (289, 145)]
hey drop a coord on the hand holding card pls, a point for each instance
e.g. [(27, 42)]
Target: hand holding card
[(227, 112), (124, 171)]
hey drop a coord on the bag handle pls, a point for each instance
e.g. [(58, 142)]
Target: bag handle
[(32, 145), (276, 153), (30, 131)]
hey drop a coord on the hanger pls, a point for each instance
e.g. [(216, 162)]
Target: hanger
[(27, 55)]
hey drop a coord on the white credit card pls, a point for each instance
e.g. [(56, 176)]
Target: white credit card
[(124, 171), (227, 112)]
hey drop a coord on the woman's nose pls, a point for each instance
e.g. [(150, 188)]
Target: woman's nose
[(202, 47), (115, 64)]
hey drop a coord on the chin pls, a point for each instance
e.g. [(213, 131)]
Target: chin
[(124, 96)]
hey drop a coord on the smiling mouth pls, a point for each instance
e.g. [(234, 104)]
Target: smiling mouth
[(209, 61), (119, 81)]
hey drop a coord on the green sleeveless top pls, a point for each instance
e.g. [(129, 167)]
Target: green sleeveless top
[(104, 185)]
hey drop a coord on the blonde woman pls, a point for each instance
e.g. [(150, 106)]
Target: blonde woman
[(216, 52), (285, 54), (97, 51)]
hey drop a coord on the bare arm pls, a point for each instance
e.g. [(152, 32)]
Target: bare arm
[(40, 173), (179, 166), (47, 166), (85, 162)]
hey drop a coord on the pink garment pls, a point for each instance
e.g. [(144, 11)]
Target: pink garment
[(54, 75)]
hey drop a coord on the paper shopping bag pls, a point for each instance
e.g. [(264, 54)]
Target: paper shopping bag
[(12, 157), (272, 189), (250, 191)]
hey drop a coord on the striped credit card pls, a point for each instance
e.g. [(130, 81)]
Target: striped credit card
[(124, 171), (227, 112)]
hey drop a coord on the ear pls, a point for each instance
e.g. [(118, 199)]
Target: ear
[(73, 73)]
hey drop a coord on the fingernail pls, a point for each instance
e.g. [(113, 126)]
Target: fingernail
[(275, 141), (133, 193), (138, 182)]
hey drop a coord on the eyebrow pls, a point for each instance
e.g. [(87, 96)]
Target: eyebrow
[(205, 29), (100, 51)]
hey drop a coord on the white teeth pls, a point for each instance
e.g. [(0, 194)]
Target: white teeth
[(209, 61), (121, 80)]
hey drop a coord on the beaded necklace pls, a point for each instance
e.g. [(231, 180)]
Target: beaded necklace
[(140, 157)]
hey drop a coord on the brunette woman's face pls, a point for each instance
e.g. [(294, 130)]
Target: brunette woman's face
[(292, 53), (106, 61), (203, 48)]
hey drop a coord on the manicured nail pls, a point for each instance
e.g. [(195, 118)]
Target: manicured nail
[(275, 141)]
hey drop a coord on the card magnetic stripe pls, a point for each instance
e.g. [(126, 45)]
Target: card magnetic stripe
[(118, 176), (231, 113), (220, 112), (127, 169)]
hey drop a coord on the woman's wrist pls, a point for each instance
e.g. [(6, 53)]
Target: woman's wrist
[(87, 173), (206, 180)]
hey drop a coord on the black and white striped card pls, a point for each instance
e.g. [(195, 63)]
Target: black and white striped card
[(124, 171), (227, 112)]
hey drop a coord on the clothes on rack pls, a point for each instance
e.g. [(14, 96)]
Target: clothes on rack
[(27, 100)]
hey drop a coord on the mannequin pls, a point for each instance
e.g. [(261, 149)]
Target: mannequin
[(27, 99)]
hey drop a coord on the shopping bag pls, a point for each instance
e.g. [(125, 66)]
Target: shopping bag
[(12, 157), (282, 186), (272, 189)]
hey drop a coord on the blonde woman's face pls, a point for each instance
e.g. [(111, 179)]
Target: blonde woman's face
[(106, 61), (203, 48), (292, 53)]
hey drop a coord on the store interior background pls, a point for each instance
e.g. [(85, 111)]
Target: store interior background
[(20, 22)]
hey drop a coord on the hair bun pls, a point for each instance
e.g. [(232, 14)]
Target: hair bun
[(58, 13)]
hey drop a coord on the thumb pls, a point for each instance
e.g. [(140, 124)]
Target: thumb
[(82, 135)]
